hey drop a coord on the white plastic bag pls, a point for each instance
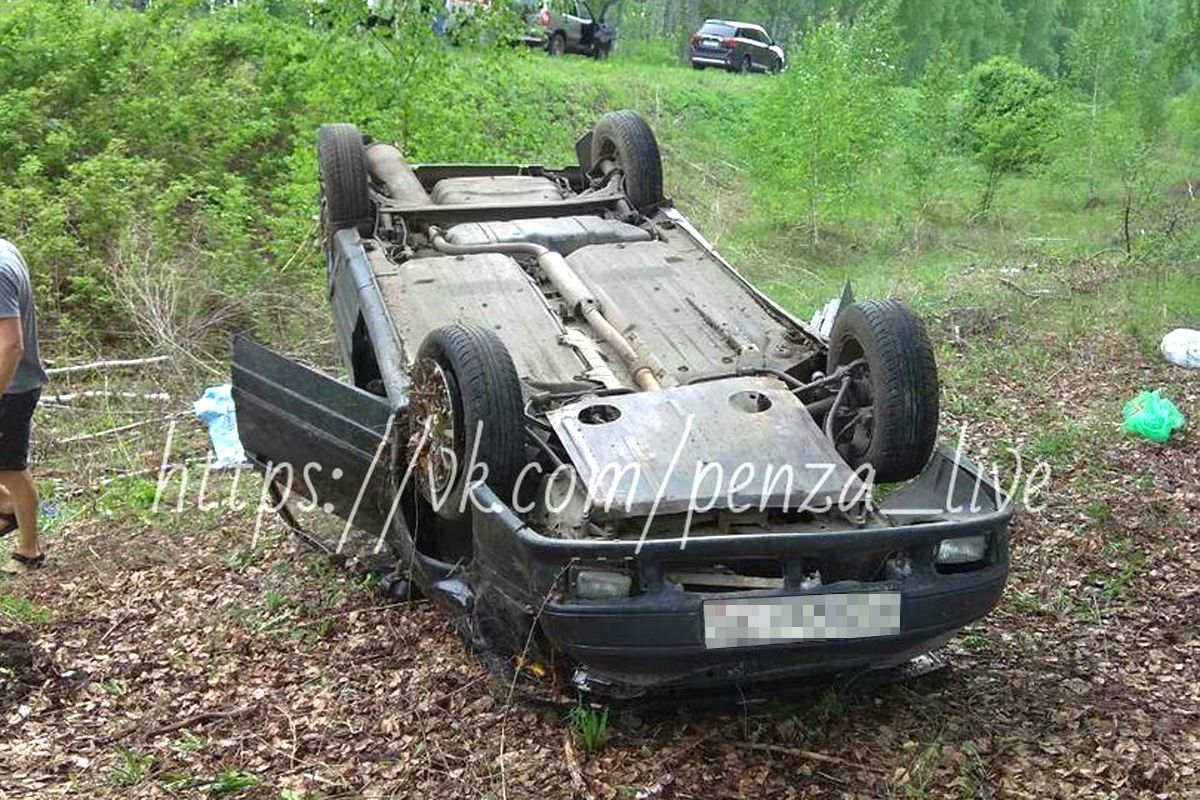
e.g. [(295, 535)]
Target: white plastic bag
[(1182, 346), (216, 408)]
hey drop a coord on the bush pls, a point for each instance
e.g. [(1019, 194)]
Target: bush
[(1009, 117)]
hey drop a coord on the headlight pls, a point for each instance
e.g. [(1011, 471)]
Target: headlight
[(599, 584), (966, 550)]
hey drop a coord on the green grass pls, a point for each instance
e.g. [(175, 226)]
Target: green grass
[(1023, 602), (1056, 441), (133, 767), (232, 782), (189, 742), (589, 726), (273, 599), (16, 608), (977, 641), (1099, 512)]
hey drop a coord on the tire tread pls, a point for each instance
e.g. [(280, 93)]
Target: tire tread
[(343, 164), (904, 381), (630, 136), (489, 391)]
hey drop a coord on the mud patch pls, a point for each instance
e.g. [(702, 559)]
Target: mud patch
[(24, 668)]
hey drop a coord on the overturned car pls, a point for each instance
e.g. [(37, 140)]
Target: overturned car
[(588, 437)]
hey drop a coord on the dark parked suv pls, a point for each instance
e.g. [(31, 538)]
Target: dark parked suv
[(735, 46)]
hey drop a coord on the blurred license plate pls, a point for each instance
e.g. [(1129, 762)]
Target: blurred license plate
[(750, 621)]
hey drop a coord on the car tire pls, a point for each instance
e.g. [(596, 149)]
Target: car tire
[(698, 66), (743, 66), (558, 44), (900, 389), (485, 392), (626, 138), (343, 165), (777, 66)]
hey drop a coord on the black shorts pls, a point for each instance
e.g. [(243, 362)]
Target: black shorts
[(16, 413)]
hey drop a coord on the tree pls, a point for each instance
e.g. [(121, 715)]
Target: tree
[(1009, 118), (823, 122), (1122, 59), (930, 131), (1102, 55)]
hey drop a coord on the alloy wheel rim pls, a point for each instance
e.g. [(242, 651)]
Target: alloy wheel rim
[(433, 430)]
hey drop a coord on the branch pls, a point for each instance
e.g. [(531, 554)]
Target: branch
[(1021, 291), (85, 437), (66, 399), (807, 754), (127, 362), (186, 722)]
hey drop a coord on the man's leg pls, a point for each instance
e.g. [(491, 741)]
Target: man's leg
[(16, 413), (20, 487)]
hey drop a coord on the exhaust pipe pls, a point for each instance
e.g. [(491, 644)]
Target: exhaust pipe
[(573, 291)]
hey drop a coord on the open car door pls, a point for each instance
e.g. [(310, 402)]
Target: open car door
[(315, 436)]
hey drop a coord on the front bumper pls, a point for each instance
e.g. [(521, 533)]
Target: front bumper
[(658, 641), (655, 638)]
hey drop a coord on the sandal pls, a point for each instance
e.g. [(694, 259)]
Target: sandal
[(20, 564), (8, 523)]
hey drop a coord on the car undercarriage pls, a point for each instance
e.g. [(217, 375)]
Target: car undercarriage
[(594, 442)]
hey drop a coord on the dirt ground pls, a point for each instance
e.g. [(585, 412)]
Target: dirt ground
[(164, 656)]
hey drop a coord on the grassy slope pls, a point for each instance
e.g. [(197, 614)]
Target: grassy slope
[(933, 256)]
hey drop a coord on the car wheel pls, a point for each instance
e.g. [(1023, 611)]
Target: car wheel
[(464, 403), (343, 167), (776, 66), (888, 414), (698, 66), (601, 52), (625, 138), (558, 44), (744, 65)]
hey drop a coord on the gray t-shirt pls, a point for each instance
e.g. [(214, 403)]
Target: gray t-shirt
[(16, 300)]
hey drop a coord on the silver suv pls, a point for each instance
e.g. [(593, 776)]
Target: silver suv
[(570, 26), (735, 46)]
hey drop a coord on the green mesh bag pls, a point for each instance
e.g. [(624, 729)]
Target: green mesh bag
[(1153, 416)]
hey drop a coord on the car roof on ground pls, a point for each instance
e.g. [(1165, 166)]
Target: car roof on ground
[(734, 24)]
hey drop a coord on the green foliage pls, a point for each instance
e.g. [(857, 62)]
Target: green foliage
[(189, 742), (931, 123), (589, 726), (1009, 116), (1041, 32), (157, 168), (134, 496), (133, 768), (819, 128), (232, 781), (1183, 120), (131, 123), (20, 609)]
